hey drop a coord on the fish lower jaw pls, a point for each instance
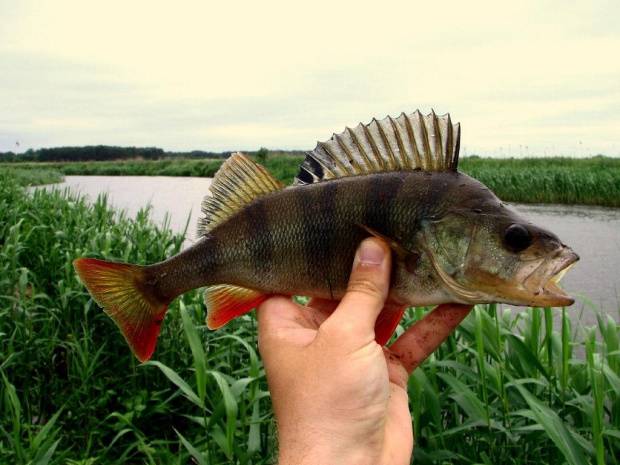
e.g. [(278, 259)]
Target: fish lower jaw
[(543, 285), (550, 294), (542, 297), (552, 286)]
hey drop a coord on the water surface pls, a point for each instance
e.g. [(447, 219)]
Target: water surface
[(594, 233)]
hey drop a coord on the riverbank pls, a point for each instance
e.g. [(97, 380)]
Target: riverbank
[(557, 180)]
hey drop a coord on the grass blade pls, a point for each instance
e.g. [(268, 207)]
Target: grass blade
[(554, 427), (198, 352), (192, 450), (178, 381), (230, 406)]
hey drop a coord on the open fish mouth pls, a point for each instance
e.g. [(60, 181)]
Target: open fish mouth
[(552, 286), (544, 281)]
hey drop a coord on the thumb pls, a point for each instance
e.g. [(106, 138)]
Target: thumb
[(367, 290)]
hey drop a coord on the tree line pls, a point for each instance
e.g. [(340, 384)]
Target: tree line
[(102, 153)]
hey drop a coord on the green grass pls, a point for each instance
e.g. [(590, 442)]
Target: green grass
[(559, 180), (507, 387)]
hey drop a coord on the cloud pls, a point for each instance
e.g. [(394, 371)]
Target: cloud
[(221, 76)]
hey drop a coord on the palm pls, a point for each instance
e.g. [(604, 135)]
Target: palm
[(338, 396), (372, 380)]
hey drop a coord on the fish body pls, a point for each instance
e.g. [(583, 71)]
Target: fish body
[(453, 240)]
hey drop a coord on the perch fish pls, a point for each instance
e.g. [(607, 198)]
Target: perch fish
[(452, 239)]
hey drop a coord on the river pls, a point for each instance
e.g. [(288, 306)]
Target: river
[(594, 233)]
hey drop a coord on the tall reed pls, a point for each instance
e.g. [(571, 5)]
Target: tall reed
[(506, 387)]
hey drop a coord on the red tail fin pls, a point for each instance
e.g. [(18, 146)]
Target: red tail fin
[(119, 289)]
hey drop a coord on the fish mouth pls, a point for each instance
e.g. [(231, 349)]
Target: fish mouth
[(543, 283)]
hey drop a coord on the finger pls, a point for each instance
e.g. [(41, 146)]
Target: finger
[(396, 371), (275, 310), (367, 290), (399, 427), (280, 312), (421, 340), (283, 324)]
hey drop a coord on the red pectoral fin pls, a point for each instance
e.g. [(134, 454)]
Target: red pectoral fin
[(387, 321), (226, 302)]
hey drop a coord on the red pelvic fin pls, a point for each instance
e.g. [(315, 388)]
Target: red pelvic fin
[(119, 289), (387, 321), (225, 302)]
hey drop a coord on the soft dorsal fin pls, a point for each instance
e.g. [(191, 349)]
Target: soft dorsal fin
[(238, 182), (408, 142)]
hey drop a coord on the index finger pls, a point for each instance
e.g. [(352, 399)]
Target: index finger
[(418, 342)]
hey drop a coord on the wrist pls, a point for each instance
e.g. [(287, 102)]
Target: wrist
[(325, 449), (324, 456)]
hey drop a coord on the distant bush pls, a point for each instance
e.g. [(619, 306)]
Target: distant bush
[(261, 155)]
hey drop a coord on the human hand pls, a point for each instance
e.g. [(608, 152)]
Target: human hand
[(338, 396)]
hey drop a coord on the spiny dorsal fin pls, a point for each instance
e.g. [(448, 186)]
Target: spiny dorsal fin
[(409, 142), (238, 182)]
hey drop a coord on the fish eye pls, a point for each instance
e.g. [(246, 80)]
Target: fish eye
[(517, 237)]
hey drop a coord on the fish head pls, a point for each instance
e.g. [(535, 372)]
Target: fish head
[(494, 254)]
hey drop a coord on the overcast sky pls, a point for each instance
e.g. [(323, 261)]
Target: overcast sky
[(540, 78)]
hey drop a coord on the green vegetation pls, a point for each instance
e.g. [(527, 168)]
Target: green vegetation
[(70, 390), (261, 155), (282, 167), (167, 167), (33, 177), (571, 181), (114, 153), (99, 153), (507, 387)]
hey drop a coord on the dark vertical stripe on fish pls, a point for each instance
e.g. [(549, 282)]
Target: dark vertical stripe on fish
[(317, 210), (373, 200), (216, 255), (260, 243), (381, 198)]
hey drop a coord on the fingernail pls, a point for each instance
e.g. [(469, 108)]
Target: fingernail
[(371, 253)]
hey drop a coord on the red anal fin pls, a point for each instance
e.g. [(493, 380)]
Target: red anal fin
[(387, 321), (225, 302)]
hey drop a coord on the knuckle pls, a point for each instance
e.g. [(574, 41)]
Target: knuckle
[(365, 287)]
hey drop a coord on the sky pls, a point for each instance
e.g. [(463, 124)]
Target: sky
[(523, 78)]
